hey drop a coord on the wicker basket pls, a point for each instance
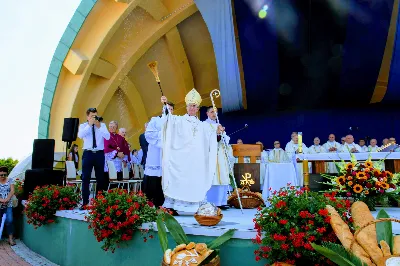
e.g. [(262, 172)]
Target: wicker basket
[(248, 201), (215, 262), (208, 220)]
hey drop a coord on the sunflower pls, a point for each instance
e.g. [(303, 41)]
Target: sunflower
[(389, 174), (340, 180), (361, 175), (368, 164), (385, 185), (357, 188), (350, 166)]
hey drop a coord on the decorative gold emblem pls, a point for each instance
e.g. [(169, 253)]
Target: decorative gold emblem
[(247, 181)]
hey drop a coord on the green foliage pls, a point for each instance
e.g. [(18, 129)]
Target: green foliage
[(162, 233), (175, 229), (338, 254), (221, 239), (10, 163), (384, 229)]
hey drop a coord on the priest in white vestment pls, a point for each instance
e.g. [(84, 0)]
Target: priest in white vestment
[(153, 171), (316, 148), (189, 157), (332, 146), (362, 145), (373, 147), (350, 146), (218, 193), (278, 155), (291, 149)]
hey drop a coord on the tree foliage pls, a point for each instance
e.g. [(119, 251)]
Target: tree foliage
[(10, 163)]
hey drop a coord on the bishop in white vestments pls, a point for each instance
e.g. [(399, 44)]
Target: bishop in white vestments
[(153, 170), (373, 147), (189, 156), (218, 193), (332, 146)]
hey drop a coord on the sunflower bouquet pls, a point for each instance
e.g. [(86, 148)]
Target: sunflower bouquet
[(364, 181)]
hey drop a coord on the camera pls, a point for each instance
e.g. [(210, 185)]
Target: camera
[(98, 118)]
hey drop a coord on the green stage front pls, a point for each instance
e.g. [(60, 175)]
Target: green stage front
[(70, 243)]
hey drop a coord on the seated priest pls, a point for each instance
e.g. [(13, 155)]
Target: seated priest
[(332, 146), (245, 159), (373, 147), (116, 150), (350, 146), (316, 148), (291, 149), (362, 145), (278, 155), (385, 142)]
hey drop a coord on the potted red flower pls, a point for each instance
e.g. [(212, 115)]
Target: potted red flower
[(114, 216), (294, 219), (45, 201)]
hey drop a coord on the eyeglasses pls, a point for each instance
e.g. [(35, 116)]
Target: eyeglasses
[(276, 143), (3, 175)]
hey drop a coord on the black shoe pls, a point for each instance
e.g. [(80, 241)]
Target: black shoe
[(173, 212), (224, 207)]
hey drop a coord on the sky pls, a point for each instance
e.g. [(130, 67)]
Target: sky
[(29, 33)]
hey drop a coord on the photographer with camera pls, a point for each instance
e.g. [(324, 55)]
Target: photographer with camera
[(93, 133)]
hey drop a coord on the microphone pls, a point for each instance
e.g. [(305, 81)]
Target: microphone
[(245, 126)]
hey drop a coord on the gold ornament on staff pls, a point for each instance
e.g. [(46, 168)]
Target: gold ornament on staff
[(153, 67), (216, 93)]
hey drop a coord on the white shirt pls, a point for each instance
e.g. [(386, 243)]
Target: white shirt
[(364, 148), (85, 133)]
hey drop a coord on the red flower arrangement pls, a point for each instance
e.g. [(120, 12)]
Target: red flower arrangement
[(115, 215), (45, 201), (294, 219)]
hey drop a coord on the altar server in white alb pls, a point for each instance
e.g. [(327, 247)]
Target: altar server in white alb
[(316, 148), (332, 146), (350, 146), (153, 170), (189, 156), (278, 155), (218, 193)]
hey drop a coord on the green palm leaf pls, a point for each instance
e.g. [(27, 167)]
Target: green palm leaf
[(175, 229), (162, 234), (221, 239), (384, 229), (338, 254)]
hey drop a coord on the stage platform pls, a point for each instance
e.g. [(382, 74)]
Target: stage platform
[(69, 241)]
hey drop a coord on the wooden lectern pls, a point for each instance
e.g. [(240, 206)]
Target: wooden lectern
[(247, 173)]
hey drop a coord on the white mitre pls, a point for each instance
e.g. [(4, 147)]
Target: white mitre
[(193, 97)]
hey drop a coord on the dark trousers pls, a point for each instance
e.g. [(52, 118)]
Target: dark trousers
[(90, 160), (153, 190)]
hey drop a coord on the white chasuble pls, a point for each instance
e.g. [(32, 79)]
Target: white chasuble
[(332, 147), (278, 156), (188, 162), (373, 149)]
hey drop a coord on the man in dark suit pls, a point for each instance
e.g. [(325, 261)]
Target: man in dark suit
[(144, 146)]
